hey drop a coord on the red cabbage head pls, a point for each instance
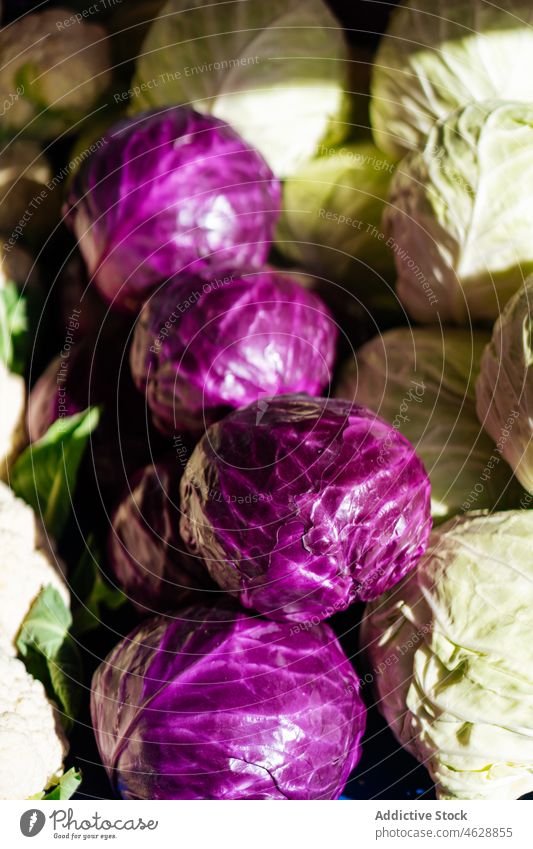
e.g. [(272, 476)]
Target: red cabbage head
[(222, 705), (203, 349), (302, 505), (170, 191)]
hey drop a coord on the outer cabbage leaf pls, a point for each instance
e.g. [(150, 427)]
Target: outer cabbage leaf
[(275, 71), (146, 554), (505, 385), (222, 705), (451, 652), (302, 505), (200, 351), (459, 232), (422, 382), (438, 55), (171, 191)]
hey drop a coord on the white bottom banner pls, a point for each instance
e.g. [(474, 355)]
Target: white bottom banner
[(268, 825)]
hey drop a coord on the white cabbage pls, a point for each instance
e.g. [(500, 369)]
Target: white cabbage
[(423, 383), (54, 68), (452, 657), (273, 70), (438, 55), (505, 385), (331, 220), (459, 215)]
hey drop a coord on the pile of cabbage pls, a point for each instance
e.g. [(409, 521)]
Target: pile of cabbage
[(262, 377)]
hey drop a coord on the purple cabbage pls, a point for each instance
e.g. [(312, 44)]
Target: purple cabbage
[(146, 555), (201, 350), (301, 506), (168, 192), (222, 705)]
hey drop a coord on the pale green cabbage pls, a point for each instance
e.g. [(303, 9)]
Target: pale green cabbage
[(54, 69), (273, 70), (452, 657), (331, 220), (422, 381), (438, 55), (459, 215), (505, 385)]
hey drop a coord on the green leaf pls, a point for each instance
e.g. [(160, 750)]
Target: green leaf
[(45, 474), (65, 676), (15, 338), (65, 788), (92, 591), (49, 652), (46, 625)]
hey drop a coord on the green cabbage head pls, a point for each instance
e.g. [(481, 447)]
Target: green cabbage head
[(459, 215), (273, 70), (423, 383), (331, 219), (438, 55), (452, 657), (55, 68), (504, 387)]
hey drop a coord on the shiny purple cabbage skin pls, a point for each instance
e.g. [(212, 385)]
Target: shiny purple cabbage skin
[(223, 705), (301, 506), (200, 351), (146, 554), (168, 192)]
